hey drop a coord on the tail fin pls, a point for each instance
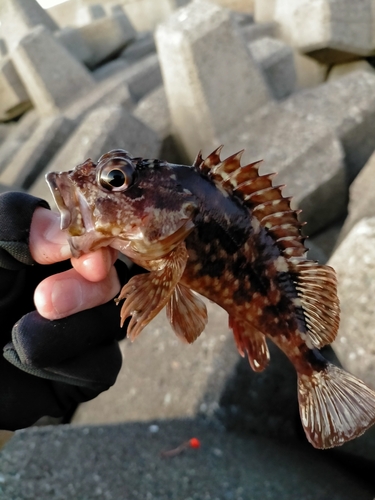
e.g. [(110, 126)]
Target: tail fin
[(334, 406)]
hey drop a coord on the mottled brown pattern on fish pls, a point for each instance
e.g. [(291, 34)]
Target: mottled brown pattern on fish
[(226, 232)]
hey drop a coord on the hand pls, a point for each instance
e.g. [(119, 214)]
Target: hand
[(92, 281), (66, 351)]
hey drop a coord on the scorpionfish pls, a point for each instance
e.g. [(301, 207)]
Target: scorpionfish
[(224, 231)]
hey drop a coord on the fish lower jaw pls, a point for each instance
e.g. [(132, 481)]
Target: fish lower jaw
[(87, 242)]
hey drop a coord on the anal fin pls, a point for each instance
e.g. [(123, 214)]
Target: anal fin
[(251, 341), (186, 313)]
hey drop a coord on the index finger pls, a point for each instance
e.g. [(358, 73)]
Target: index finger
[(49, 244)]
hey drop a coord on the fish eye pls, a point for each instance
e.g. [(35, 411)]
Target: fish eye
[(116, 174)]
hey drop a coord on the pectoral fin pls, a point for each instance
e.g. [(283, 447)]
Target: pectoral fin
[(147, 294), (186, 313), (251, 341)]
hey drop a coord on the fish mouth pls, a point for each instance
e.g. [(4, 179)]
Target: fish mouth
[(53, 180), (76, 215), (75, 212)]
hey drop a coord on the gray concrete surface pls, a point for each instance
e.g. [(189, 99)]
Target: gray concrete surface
[(123, 462), (35, 153), (347, 107), (19, 17), (354, 262), (153, 111), (306, 155), (210, 80), (52, 77), (361, 201), (14, 100), (277, 63), (331, 31)]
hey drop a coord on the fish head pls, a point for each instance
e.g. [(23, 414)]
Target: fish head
[(132, 204)]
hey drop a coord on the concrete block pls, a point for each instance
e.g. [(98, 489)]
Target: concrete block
[(96, 11), (331, 31), (110, 69), (340, 70), (35, 153), (254, 31), (3, 48), (361, 201), (105, 128), (20, 133), (71, 38), (242, 18), (264, 11), (52, 76), (309, 71), (236, 5), (142, 46), (5, 130), (210, 79), (106, 37), (143, 76), (123, 461), (277, 62), (18, 17), (153, 111), (65, 14), (145, 15), (14, 100), (354, 263), (112, 90), (353, 122), (327, 239), (306, 154)]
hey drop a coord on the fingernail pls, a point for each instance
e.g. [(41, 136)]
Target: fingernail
[(66, 296)]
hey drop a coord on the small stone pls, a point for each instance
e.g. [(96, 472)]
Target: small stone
[(153, 429)]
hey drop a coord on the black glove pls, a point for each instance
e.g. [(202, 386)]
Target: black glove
[(48, 367)]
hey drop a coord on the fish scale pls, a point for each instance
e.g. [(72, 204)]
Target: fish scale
[(226, 232)]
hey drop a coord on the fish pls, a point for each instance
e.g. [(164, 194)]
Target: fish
[(222, 230)]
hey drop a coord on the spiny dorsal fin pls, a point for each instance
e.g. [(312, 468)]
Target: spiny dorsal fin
[(258, 193), (198, 160), (212, 160)]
